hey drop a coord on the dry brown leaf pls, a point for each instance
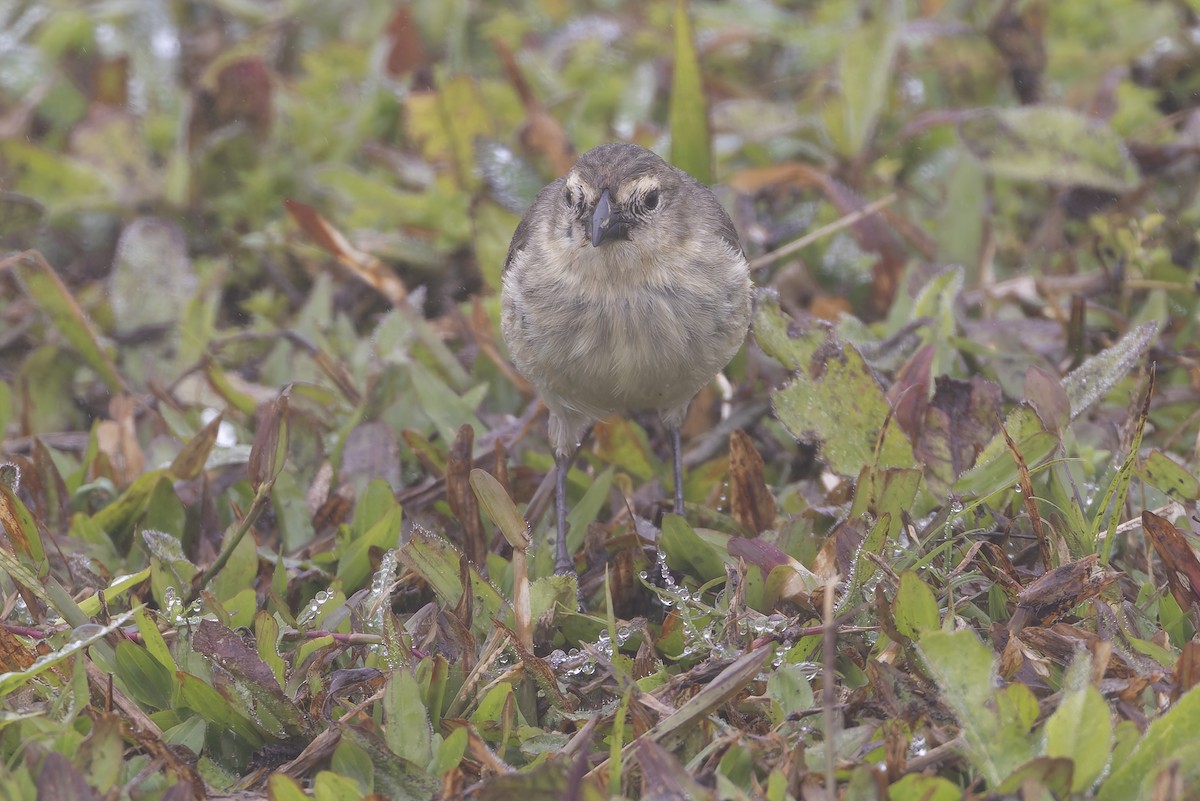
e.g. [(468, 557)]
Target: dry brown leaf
[(750, 500)]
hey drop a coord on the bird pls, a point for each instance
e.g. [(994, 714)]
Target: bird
[(625, 288)]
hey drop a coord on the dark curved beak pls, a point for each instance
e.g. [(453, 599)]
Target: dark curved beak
[(603, 219)]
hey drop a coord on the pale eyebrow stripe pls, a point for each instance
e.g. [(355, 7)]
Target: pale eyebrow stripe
[(638, 186), (574, 182)]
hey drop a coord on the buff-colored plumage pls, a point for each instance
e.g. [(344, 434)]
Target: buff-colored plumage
[(625, 288)]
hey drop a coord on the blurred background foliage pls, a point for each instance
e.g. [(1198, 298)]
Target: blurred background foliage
[(234, 197)]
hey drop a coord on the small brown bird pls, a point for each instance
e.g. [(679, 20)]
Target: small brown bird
[(625, 288)]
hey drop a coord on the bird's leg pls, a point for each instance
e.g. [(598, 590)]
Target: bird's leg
[(677, 455), (563, 563)]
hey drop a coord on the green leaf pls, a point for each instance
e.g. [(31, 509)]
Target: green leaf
[(995, 468), (144, 677), (119, 518), (42, 284), (1163, 473), (281, 787), (437, 562), (352, 761), (996, 736), (329, 786), (920, 787), (1167, 738), (447, 409), (687, 552), (1081, 730), (408, 731), (588, 508), (354, 563), (152, 638), (915, 607), (18, 212), (500, 508), (688, 115), (1053, 145), (83, 636), (209, 704), (451, 751), (835, 400), (1091, 381), (865, 73), (788, 687)]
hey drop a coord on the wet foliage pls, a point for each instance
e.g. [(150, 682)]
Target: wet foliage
[(274, 501)]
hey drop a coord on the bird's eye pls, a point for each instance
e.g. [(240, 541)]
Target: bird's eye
[(574, 199), (650, 201)]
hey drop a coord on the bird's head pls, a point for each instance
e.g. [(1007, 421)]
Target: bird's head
[(618, 192)]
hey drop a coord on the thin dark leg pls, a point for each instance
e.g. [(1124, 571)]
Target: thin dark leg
[(677, 454), (563, 563)]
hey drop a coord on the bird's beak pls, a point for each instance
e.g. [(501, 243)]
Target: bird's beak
[(602, 219)]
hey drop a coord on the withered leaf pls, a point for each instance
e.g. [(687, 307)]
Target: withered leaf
[(1057, 591), (959, 422), (461, 497), (750, 500), (1183, 568)]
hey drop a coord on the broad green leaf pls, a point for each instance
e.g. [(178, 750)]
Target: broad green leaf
[(773, 335), (120, 517), (788, 687), (281, 787), (1081, 730), (266, 639), (920, 787), (61, 182), (687, 552), (491, 706), (548, 591), (835, 400), (1163, 473), (354, 562), (915, 607), (152, 638), (144, 677), (1054, 145), (209, 704), (353, 762), (408, 732), (395, 777), (447, 409), (1168, 737), (996, 742), (329, 786), (437, 562), (451, 751), (238, 573), (376, 503), (625, 445), (689, 109), (1050, 775), (886, 491)]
